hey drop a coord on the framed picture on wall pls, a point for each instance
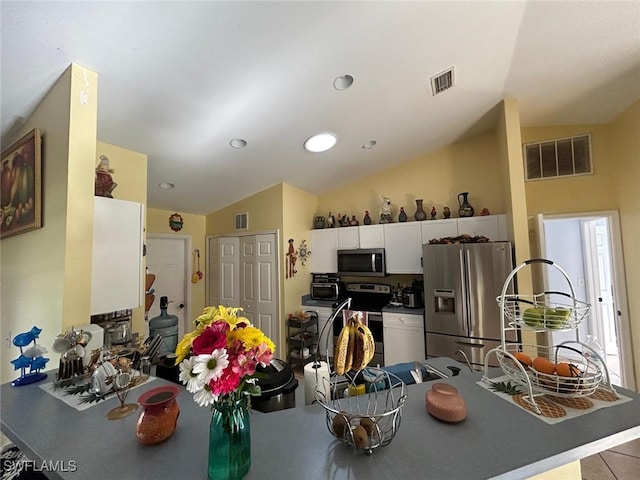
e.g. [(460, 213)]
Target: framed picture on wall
[(21, 188)]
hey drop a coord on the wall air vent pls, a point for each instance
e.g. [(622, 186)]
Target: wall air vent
[(241, 221), (442, 81)]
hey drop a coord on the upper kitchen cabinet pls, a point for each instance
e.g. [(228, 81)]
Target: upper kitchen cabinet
[(439, 229), (348, 237), (116, 273), (494, 227), (371, 236), (324, 248), (403, 247)]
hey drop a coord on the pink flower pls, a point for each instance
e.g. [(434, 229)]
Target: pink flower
[(213, 337), (244, 365), (226, 384), (264, 355)]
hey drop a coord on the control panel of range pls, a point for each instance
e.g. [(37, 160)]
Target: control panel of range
[(375, 288)]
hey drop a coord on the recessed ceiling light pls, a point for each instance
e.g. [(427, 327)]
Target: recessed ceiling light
[(238, 143), (166, 185), (369, 145), (342, 82), (320, 142)]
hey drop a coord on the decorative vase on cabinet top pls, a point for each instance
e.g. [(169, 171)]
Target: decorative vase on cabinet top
[(420, 213), (465, 210)]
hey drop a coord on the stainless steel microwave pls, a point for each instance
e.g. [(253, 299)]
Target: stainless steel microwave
[(362, 262)]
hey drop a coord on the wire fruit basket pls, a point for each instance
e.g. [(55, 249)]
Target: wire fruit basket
[(570, 369), (580, 376), (370, 416), (548, 310)]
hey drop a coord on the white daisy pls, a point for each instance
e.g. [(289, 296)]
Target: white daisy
[(210, 367), (188, 377), (205, 396)]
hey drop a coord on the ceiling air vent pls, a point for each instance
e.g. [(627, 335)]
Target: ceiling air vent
[(442, 81), (241, 221)]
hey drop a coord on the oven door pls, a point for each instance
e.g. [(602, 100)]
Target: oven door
[(374, 322), (325, 291)]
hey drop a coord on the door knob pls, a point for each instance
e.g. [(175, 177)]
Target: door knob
[(181, 305)]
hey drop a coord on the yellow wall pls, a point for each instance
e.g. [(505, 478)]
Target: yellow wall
[(613, 186), (46, 273), (437, 178), (624, 153), (194, 226), (573, 194), (130, 173)]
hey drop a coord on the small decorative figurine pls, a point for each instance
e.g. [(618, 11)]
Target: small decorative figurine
[(446, 213), (318, 222), (367, 218), (353, 222), (385, 210), (485, 211), (331, 220), (343, 221), (175, 222), (30, 358), (433, 213), (104, 184), (291, 261), (402, 216)]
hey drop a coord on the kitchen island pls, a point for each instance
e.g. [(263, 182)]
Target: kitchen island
[(496, 440)]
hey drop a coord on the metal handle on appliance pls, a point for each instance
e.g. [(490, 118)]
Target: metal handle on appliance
[(373, 262), (468, 295), (465, 291)]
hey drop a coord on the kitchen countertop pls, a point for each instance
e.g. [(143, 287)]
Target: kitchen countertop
[(496, 440)]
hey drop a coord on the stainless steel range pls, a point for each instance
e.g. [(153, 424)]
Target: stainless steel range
[(369, 298)]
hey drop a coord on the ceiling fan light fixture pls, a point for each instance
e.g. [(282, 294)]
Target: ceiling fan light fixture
[(166, 185), (320, 142), (369, 145), (238, 143), (342, 82)]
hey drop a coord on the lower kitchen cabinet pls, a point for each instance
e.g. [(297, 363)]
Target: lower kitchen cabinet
[(403, 335)]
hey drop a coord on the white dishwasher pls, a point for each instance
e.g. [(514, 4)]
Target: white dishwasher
[(403, 337)]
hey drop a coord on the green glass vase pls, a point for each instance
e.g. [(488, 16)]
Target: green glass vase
[(230, 441)]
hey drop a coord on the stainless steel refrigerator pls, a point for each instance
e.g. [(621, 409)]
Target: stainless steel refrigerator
[(461, 283)]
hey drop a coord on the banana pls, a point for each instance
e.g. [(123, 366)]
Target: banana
[(359, 354), (342, 350), (369, 343)]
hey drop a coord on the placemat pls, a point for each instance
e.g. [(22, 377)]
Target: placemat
[(75, 401), (556, 409)]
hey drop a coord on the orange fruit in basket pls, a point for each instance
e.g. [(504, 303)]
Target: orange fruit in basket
[(565, 369), (543, 365), (523, 358)]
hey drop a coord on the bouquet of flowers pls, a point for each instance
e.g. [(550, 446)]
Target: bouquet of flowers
[(218, 359)]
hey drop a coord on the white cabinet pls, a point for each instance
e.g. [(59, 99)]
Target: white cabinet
[(324, 247), (116, 273), (404, 338), (348, 237), (439, 229), (371, 236), (491, 226), (403, 247)]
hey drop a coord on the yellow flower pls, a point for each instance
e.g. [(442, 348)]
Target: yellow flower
[(184, 347), (229, 315), (251, 337)]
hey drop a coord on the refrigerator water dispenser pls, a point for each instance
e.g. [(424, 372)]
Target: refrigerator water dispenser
[(445, 301)]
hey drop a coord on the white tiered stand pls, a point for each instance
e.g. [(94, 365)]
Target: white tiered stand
[(563, 313)]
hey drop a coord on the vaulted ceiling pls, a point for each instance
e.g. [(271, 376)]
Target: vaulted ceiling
[(179, 80)]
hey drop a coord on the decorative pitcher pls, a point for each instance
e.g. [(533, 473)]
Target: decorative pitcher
[(465, 210)]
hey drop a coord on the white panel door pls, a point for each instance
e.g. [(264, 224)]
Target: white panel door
[(168, 259), (213, 272), (229, 248), (259, 280)]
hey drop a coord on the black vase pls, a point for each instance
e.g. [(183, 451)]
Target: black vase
[(465, 210)]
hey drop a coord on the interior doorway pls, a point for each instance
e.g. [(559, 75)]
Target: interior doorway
[(168, 257), (588, 247)]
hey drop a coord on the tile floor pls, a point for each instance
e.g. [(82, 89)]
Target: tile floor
[(619, 463)]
